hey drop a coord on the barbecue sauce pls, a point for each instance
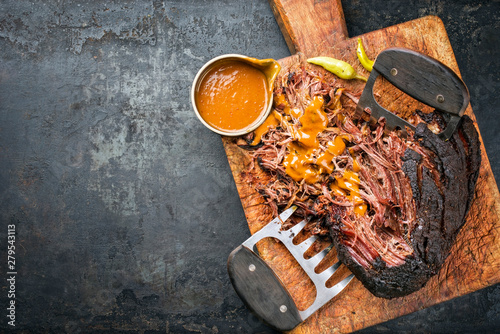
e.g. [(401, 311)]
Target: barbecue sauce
[(350, 182), (280, 102), (272, 121), (300, 161), (232, 95), (303, 162), (333, 149), (275, 118)]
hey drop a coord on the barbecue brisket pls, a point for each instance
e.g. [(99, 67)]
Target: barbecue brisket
[(442, 197), (416, 192)]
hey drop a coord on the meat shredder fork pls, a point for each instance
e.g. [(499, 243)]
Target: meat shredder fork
[(261, 289), (425, 79)]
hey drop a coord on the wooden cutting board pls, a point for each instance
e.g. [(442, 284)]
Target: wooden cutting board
[(317, 28)]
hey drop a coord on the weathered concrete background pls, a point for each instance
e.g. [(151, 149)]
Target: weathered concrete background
[(124, 204)]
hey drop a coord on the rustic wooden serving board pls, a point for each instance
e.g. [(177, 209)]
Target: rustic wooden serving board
[(317, 28)]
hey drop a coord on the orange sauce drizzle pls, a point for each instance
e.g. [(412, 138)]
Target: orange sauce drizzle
[(272, 121), (299, 163), (287, 110), (350, 182), (302, 161)]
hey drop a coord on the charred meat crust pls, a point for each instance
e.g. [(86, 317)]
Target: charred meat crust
[(416, 191), (442, 196), (457, 161), (387, 282)]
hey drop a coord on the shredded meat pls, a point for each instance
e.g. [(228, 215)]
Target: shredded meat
[(382, 236)]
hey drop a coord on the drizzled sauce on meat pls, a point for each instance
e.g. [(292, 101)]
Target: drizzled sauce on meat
[(306, 158), (322, 160), (358, 186)]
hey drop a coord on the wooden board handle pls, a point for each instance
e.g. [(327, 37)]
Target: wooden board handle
[(309, 24)]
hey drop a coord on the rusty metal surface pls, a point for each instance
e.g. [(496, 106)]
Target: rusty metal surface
[(123, 204)]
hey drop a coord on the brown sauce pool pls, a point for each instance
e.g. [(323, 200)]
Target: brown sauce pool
[(232, 95)]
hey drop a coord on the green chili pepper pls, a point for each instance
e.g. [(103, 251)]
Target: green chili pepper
[(363, 58), (338, 67)]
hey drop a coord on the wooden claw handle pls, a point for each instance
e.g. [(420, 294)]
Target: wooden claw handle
[(261, 290)]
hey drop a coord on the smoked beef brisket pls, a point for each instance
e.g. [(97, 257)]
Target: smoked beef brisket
[(391, 206), (442, 195)]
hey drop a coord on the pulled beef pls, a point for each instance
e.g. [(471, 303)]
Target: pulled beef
[(442, 193), (417, 190)]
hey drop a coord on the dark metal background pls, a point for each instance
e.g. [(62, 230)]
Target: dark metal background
[(124, 205)]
